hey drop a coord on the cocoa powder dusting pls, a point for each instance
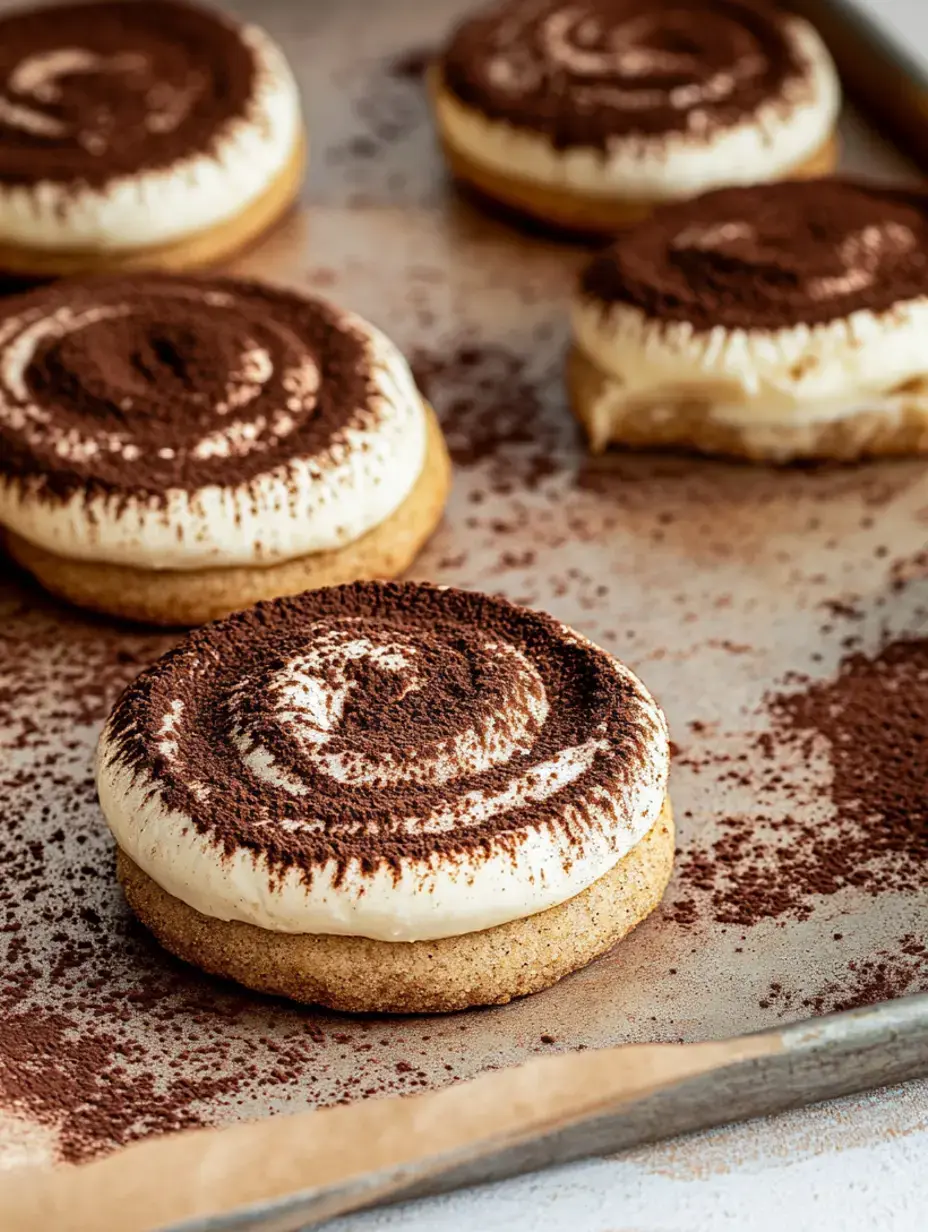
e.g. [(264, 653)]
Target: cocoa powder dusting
[(440, 666), (770, 257), (156, 372), (554, 67), (868, 831), (147, 85)]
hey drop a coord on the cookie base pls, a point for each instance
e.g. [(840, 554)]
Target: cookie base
[(570, 212), (183, 597), (196, 251), (687, 424), (415, 977)]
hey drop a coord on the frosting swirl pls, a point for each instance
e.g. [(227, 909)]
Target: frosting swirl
[(585, 72), (93, 91), (387, 760), (196, 422), (127, 125), (770, 258)]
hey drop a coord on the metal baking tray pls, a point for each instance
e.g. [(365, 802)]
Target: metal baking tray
[(722, 585)]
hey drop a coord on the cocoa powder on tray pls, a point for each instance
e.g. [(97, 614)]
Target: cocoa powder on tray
[(104, 1038), (492, 409), (867, 831), (883, 976)]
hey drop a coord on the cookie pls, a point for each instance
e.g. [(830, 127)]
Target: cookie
[(144, 135), (173, 450), (585, 116), (773, 323), (388, 797)]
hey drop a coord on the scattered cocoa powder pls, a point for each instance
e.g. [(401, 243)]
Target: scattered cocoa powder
[(492, 408), (867, 832), (884, 975), (412, 64), (103, 1037)]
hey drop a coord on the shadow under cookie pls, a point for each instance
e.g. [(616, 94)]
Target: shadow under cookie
[(360, 975), (191, 597)]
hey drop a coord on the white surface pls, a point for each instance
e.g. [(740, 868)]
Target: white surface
[(906, 21), (857, 1165)]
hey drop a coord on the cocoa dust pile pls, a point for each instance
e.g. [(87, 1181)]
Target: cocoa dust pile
[(868, 832), (886, 974), (493, 411)]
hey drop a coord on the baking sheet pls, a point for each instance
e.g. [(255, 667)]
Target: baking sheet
[(720, 584)]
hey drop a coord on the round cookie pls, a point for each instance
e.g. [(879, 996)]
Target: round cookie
[(773, 323), (148, 135), (585, 116), (388, 797), (173, 450)]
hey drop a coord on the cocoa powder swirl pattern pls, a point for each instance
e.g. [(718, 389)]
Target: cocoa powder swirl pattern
[(770, 257), (588, 71), (392, 760), (195, 415), (89, 92)]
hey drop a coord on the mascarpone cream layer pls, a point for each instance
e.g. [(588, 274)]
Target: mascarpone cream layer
[(753, 378)]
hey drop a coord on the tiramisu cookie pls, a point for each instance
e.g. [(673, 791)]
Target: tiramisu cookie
[(388, 797), (771, 323), (150, 134), (172, 450), (587, 113)]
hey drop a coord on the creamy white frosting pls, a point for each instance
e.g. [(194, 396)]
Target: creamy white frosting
[(764, 146), (757, 379), (427, 898), (154, 206), (313, 504)]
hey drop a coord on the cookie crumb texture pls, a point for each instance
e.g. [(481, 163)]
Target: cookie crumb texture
[(360, 975)]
